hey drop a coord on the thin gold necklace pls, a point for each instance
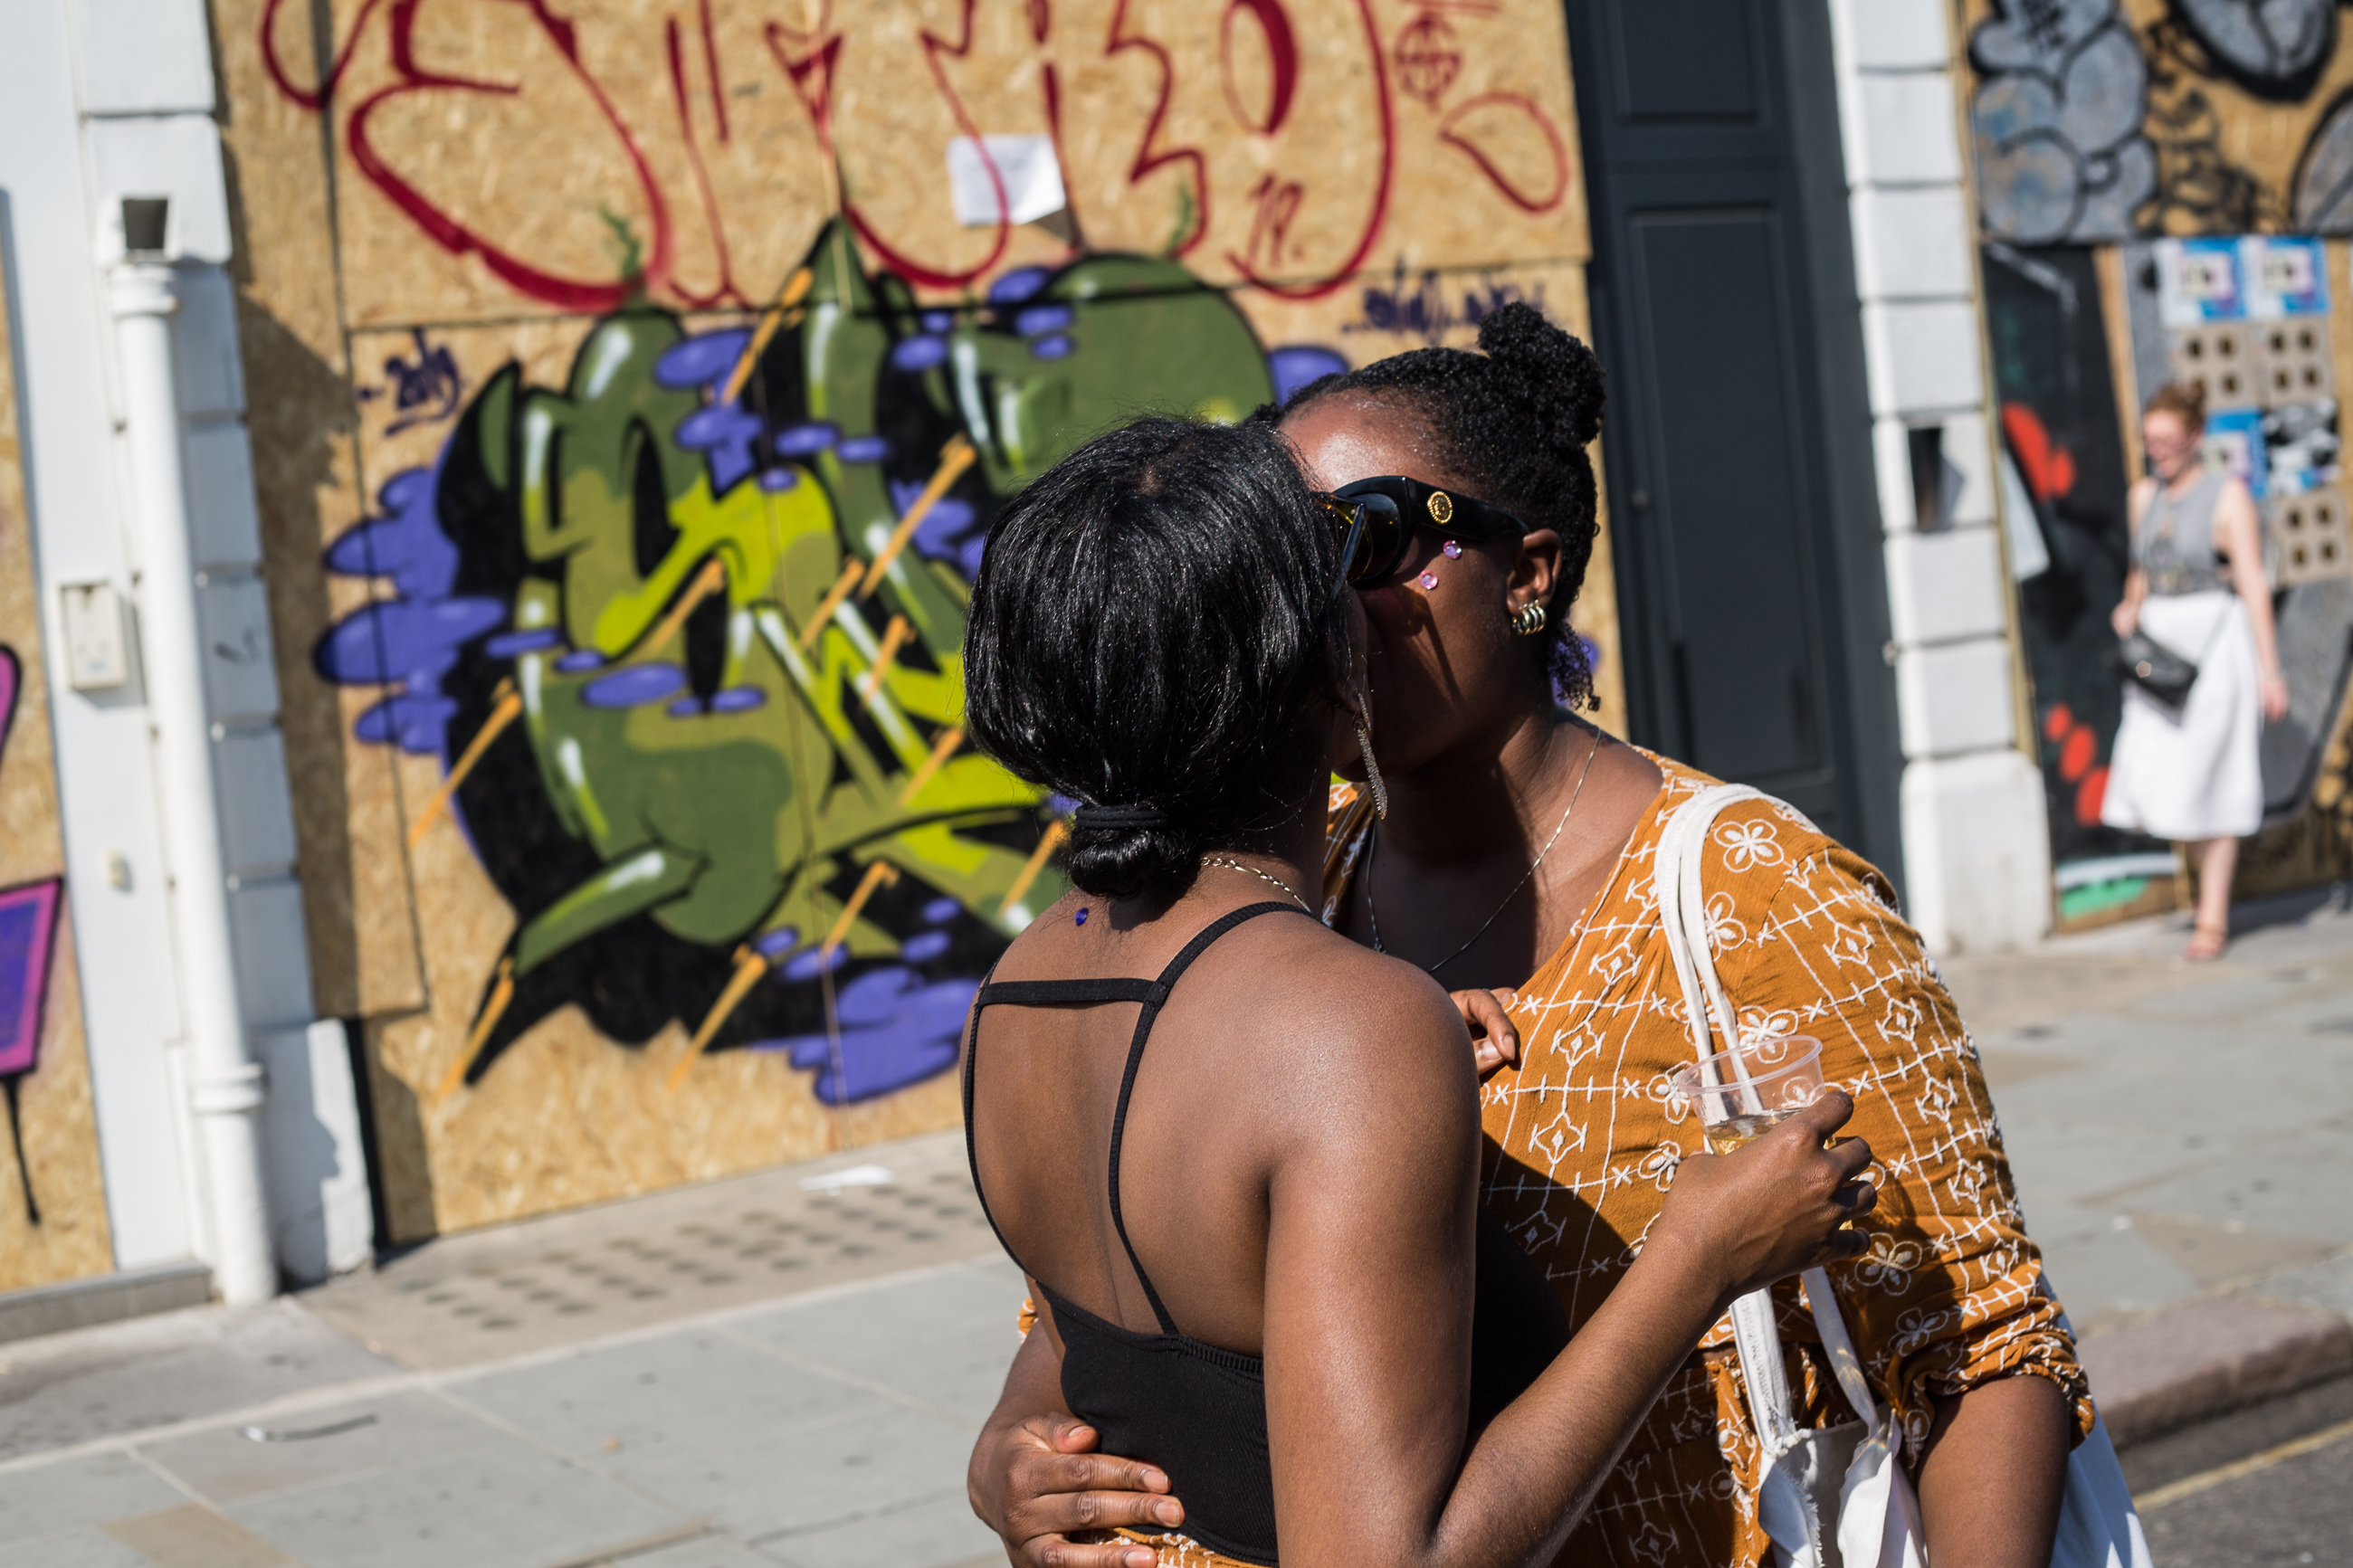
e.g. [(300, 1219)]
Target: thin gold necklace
[(1373, 917), (1275, 881)]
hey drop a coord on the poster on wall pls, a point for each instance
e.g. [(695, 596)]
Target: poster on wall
[(642, 831), (2250, 278), (2246, 320)]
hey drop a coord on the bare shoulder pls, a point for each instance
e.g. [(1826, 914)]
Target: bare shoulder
[(1617, 790), (1375, 1073), (1335, 1013), (2136, 499), (1042, 950), (1625, 772), (1334, 981)]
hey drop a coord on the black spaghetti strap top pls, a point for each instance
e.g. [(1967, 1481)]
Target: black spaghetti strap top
[(1197, 1411)]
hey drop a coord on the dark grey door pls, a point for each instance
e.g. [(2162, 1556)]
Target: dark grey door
[(1737, 444)]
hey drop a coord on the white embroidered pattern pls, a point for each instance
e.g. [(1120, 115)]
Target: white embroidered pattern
[(1807, 941)]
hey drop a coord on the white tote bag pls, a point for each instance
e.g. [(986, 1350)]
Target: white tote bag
[(1839, 1496)]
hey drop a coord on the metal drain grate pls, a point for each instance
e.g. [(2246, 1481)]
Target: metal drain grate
[(673, 1255), (701, 1256)]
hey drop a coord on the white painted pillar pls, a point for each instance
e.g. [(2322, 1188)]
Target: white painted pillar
[(226, 1090), (1976, 839)]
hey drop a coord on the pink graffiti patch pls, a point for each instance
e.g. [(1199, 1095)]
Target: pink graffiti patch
[(29, 925), (29, 928)]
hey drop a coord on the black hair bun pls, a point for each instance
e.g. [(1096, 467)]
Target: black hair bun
[(1121, 862), (1556, 371)]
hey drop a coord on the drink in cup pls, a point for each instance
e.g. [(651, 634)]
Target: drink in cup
[(1784, 1074)]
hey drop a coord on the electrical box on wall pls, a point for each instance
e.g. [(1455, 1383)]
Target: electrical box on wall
[(98, 650)]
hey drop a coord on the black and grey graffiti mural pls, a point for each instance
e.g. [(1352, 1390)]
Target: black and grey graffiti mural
[(2101, 121), (2062, 90), (2210, 142), (2273, 48)]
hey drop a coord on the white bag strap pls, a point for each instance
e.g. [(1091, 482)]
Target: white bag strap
[(1832, 1326), (1758, 1339), (1682, 898)]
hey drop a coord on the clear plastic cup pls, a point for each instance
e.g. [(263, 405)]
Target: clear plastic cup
[(1784, 1076)]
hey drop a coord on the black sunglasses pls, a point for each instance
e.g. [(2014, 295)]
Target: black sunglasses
[(1376, 518)]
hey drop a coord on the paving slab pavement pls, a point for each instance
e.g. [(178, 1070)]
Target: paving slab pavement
[(788, 1367), (828, 1430), (708, 1408), (65, 1391), (2173, 1128), (2183, 1139)]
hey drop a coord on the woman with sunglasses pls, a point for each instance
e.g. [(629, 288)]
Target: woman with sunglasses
[(1235, 1153), (1513, 857)]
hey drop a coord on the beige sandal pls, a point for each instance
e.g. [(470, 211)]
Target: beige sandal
[(2206, 943)]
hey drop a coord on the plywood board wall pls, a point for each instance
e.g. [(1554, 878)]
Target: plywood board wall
[(588, 344), (52, 1195)]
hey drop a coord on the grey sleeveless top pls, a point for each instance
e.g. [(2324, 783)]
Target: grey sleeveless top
[(2176, 543)]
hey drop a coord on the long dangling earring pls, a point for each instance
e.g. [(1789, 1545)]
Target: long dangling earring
[(1372, 766)]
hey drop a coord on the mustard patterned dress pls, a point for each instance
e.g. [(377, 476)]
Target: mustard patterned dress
[(1581, 1146)]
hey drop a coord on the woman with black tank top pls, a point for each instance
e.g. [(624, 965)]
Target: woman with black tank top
[(1237, 1155)]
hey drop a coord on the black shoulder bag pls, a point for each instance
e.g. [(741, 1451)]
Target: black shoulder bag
[(2156, 668)]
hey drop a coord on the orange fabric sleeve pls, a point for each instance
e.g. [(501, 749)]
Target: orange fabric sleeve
[(1951, 1295)]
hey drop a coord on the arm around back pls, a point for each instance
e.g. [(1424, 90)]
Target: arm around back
[(1035, 1479)]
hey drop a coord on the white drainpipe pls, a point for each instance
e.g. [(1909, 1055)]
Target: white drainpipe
[(226, 1091)]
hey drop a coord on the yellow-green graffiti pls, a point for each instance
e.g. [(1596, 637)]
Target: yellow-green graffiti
[(686, 634)]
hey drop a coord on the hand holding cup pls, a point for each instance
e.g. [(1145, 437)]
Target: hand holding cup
[(1781, 1202)]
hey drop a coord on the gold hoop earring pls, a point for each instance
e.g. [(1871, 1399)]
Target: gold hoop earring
[(1373, 780), (1529, 618)]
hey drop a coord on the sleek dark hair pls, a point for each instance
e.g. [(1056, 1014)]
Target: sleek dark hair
[(1149, 621), (1515, 419)]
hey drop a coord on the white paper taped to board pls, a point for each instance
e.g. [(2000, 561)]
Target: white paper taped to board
[(1026, 165)]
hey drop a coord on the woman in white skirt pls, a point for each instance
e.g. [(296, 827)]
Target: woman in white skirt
[(2197, 586)]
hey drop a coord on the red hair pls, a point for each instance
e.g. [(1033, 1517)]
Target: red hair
[(2181, 399)]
